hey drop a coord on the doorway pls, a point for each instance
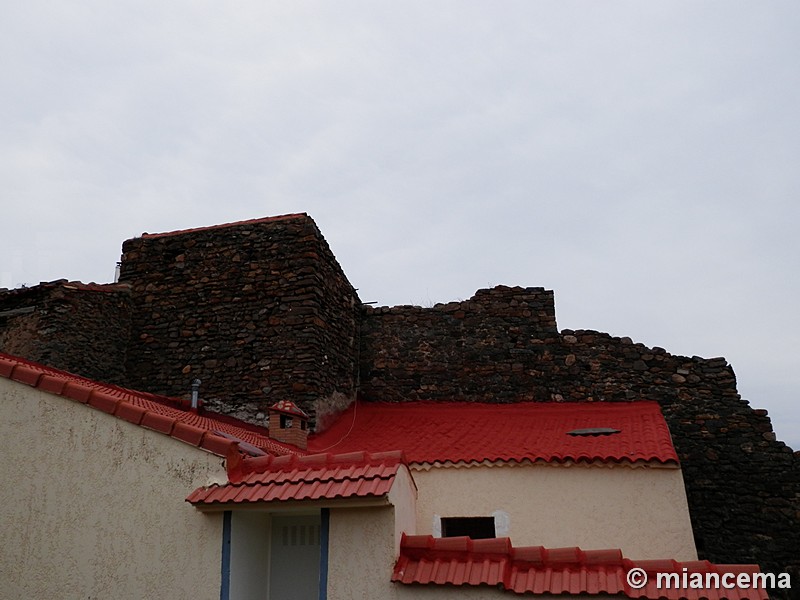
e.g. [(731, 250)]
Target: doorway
[(294, 557)]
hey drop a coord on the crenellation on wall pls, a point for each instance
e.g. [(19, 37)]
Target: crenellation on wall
[(470, 350)]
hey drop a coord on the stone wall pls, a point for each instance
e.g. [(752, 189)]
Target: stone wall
[(259, 311), (476, 350), (502, 345), (81, 328)]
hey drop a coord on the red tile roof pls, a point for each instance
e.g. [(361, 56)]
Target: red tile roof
[(234, 224), (461, 432), (537, 570), (314, 477), (214, 433)]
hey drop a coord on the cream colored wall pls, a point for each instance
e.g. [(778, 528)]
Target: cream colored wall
[(364, 543), (361, 553), (361, 561), (642, 511), (250, 535), (403, 497), (92, 507)]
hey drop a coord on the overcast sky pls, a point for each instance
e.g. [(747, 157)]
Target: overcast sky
[(638, 158)]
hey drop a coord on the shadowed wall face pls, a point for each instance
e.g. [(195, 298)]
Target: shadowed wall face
[(259, 311), (76, 327)]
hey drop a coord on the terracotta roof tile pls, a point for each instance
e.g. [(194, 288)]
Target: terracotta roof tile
[(314, 477), (77, 391), (158, 422), (188, 433), (461, 561), (288, 217), (6, 368), (54, 385), (216, 444), (26, 374), (461, 432), (103, 401), (159, 413), (131, 413)]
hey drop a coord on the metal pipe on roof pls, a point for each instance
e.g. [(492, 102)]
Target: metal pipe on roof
[(195, 393)]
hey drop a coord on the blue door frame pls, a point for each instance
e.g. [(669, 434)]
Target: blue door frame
[(324, 534), (225, 586)]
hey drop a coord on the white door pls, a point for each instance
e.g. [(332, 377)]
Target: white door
[(294, 558)]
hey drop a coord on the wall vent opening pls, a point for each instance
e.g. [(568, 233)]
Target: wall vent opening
[(477, 528), (593, 431)]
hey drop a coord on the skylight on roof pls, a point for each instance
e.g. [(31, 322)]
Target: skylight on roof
[(593, 431)]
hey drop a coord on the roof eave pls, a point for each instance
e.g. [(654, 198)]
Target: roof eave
[(293, 505), (607, 463)]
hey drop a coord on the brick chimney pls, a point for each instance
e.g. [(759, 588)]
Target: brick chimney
[(288, 424)]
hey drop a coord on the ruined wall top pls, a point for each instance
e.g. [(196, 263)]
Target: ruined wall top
[(259, 310)]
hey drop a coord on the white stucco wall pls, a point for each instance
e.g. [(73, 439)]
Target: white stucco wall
[(250, 535), (364, 543), (361, 553), (361, 562), (92, 507), (642, 511), (403, 497)]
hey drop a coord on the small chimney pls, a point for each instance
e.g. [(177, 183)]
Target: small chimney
[(288, 424)]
